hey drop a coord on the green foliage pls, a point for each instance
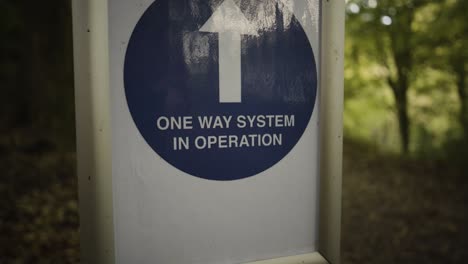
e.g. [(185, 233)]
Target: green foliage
[(407, 58)]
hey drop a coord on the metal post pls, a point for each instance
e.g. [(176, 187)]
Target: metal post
[(93, 130), (331, 153)]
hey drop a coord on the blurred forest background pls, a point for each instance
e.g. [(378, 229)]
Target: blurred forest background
[(406, 133), (406, 126)]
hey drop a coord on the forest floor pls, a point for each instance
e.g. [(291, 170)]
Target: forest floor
[(38, 206), (395, 210), (399, 210)]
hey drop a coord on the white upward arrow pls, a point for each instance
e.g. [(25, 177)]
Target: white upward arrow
[(230, 23)]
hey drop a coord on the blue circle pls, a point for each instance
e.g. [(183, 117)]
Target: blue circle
[(171, 70)]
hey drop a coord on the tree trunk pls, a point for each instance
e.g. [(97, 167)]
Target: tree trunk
[(403, 121), (401, 101), (400, 87), (462, 96), (401, 48)]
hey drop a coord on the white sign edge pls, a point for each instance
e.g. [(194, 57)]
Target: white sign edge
[(313, 258), (93, 130), (331, 128)]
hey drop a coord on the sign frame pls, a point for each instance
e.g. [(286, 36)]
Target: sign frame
[(93, 130)]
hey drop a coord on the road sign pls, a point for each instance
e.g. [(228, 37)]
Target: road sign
[(219, 92), (198, 130)]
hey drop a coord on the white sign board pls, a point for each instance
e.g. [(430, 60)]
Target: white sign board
[(211, 144)]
